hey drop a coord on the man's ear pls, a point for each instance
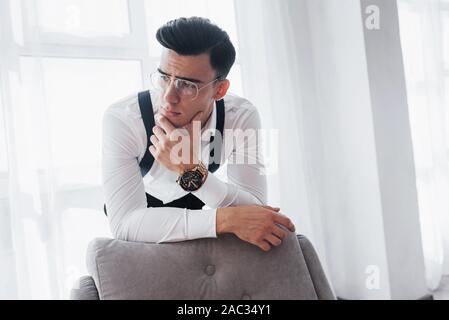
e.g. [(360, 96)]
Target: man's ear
[(222, 89)]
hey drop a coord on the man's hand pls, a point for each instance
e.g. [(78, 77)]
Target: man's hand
[(176, 148), (255, 224)]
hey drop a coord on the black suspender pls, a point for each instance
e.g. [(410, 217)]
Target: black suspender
[(220, 125), (146, 109)]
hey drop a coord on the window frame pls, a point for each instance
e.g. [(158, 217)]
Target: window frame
[(60, 45)]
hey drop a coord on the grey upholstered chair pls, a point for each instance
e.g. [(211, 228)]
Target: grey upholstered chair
[(225, 268)]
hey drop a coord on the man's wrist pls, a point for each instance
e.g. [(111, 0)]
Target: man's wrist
[(193, 179), (184, 167), (224, 220)]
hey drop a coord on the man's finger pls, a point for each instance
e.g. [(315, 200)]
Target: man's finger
[(264, 245), (270, 208), (159, 133), (154, 140), (279, 218), (281, 234), (165, 124), (152, 150), (273, 240)]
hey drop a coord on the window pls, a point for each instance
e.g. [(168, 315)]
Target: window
[(84, 18), (71, 60)]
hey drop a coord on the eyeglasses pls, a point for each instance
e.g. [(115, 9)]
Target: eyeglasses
[(184, 88)]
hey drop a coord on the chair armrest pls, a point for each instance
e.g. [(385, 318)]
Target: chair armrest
[(85, 289), (322, 287)]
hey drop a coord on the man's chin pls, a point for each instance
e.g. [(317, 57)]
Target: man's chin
[(177, 122)]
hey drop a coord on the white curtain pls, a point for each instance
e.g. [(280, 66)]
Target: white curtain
[(63, 62), (52, 206), (424, 30), (276, 72), (280, 76)]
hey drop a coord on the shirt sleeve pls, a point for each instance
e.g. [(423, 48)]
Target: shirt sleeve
[(125, 198), (245, 168)]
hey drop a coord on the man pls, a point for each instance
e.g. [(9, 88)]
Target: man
[(150, 195)]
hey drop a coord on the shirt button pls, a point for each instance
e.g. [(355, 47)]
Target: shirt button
[(210, 270)]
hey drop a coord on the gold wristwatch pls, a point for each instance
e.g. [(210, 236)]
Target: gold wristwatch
[(193, 179)]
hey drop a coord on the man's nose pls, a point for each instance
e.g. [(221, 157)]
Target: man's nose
[(171, 95)]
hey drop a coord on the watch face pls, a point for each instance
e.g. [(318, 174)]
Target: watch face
[(191, 180)]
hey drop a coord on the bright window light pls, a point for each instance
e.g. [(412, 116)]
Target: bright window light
[(84, 17), (76, 94)]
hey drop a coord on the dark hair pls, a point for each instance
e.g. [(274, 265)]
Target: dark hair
[(194, 36)]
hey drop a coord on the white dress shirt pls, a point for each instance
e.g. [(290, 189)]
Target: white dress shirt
[(124, 145)]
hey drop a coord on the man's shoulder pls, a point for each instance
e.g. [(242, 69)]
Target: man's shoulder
[(123, 116), (125, 108), (240, 112), (238, 106)]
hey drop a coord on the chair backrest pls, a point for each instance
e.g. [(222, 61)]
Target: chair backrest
[(222, 268)]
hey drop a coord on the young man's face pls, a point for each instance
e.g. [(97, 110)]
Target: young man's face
[(178, 110)]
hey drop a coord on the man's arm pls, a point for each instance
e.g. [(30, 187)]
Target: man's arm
[(262, 226), (125, 198)]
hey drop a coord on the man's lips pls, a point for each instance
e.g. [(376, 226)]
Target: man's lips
[(169, 113)]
